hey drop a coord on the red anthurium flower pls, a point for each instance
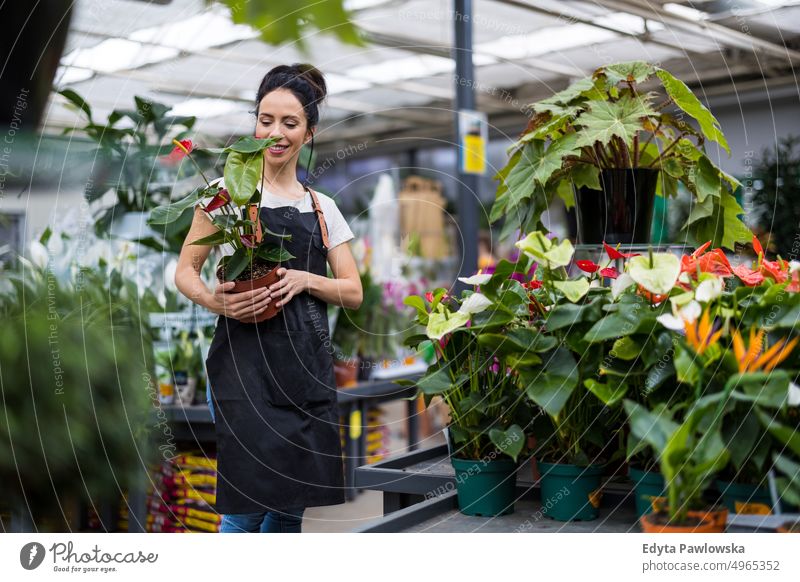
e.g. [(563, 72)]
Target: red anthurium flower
[(182, 148), (757, 246), (609, 272), (713, 261), (249, 240), (748, 276), (218, 201), (716, 263), (778, 270), (429, 296), (653, 298), (532, 284), (588, 266), (614, 254)]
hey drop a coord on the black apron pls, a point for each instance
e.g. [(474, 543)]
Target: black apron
[(274, 393)]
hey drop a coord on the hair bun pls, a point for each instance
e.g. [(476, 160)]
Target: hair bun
[(314, 77)]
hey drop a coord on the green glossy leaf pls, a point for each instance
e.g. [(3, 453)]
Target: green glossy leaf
[(436, 382), (626, 348), (551, 385), (213, 239), (242, 174), (706, 179), (783, 434), (510, 441), (685, 99), (609, 393), (237, 263)]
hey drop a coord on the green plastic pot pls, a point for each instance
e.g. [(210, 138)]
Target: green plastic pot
[(646, 486), (570, 493), (485, 488), (741, 493)]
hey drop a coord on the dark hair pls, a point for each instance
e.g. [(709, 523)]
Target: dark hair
[(303, 80)]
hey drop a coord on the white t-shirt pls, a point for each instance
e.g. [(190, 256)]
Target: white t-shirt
[(338, 230)]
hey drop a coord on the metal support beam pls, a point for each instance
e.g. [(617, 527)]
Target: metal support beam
[(722, 34), (468, 184)]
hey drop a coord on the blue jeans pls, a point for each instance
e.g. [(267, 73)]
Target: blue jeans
[(208, 400), (287, 521)]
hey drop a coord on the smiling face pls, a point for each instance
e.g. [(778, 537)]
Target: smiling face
[(280, 113)]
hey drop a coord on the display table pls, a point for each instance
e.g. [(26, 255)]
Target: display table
[(419, 495)]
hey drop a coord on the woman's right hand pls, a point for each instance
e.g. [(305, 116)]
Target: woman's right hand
[(243, 306)]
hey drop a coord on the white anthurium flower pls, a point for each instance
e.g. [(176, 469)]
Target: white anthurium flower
[(38, 254), (475, 303), (479, 279), (794, 266), (709, 289), (620, 284), (794, 394), (680, 316)]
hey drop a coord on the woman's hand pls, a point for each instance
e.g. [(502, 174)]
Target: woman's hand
[(243, 306), (291, 283)]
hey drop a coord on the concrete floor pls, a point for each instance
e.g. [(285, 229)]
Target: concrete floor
[(368, 505)]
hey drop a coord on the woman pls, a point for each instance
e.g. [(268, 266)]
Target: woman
[(272, 383)]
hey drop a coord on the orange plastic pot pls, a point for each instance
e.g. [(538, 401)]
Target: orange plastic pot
[(263, 281), (650, 523)]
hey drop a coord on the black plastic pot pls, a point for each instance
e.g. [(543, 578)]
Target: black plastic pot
[(621, 212)]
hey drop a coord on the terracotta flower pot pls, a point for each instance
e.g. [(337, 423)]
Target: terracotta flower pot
[(789, 527), (346, 372), (250, 284), (657, 523), (718, 516)]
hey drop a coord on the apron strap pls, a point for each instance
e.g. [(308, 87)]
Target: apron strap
[(252, 211), (323, 227)]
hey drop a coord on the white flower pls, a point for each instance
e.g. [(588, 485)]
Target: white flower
[(794, 266), (479, 279), (794, 394), (679, 317), (38, 254), (475, 303), (620, 284), (709, 289)]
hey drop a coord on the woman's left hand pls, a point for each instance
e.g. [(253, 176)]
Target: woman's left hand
[(291, 283)]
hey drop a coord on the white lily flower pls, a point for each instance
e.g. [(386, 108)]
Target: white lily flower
[(679, 317), (479, 279), (794, 394), (475, 303), (620, 284), (709, 289)]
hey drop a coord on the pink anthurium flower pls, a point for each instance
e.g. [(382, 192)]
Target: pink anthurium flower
[(609, 272)]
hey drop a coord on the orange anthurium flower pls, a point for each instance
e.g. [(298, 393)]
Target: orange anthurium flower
[(713, 261), (700, 335), (752, 359)]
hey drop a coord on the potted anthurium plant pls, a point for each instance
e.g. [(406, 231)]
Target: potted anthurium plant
[(254, 262), (488, 410), (608, 144), (575, 441), (723, 377)]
